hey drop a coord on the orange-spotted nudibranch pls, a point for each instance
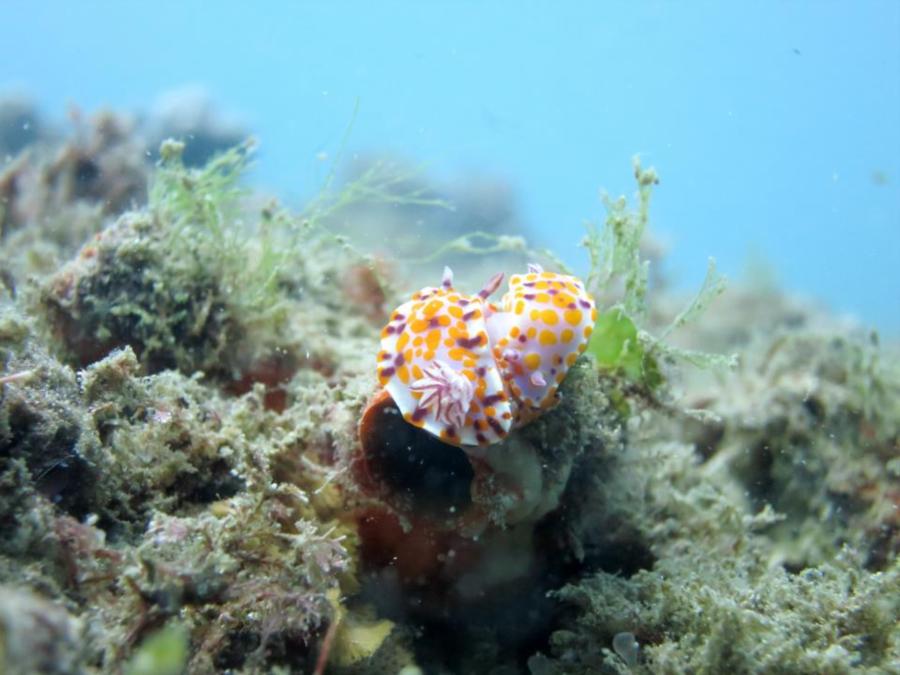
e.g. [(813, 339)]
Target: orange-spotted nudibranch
[(468, 370)]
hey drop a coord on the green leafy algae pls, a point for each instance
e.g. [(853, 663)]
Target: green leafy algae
[(618, 268), (165, 652)]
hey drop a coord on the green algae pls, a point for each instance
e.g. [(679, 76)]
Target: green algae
[(615, 345), (619, 275), (696, 614), (163, 653), (139, 486)]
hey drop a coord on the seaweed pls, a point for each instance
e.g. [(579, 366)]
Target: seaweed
[(617, 263), (178, 455)]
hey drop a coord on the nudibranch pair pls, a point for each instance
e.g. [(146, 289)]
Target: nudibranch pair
[(468, 370)]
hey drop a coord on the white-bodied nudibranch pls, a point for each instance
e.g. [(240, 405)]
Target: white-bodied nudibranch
[(468, 370)]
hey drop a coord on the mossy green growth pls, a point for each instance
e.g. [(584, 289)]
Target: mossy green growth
[(615, 346), (163, 653), (200, 211), (618, 268)]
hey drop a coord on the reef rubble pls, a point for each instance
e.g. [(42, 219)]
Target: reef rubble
[(183, 487)]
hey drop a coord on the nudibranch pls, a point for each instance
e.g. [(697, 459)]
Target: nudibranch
[(468, 370)]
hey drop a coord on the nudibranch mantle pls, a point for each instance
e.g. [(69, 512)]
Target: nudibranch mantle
[(468, 370)]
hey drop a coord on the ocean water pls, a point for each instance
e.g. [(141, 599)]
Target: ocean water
[(231, 453), (775, 125)]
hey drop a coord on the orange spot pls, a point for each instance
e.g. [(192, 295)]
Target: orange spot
[(443, 320), (571, 359), (514, 331), (457, 353), (417, 342), (418, 325), (469, 363), (455, 311), (573, 316), (429, 356), (547, 338), (588, 330), (532, 332), (449, 342), (549, 317), (402, 340), (542, 297), (403, 374), (408, 355), (594, 314), (432, 308), (530, 277), (535, 314), (417, 374), (548, 275), (520, 307), (566, 335), (469, 375), (542, 285), (433, 339), (532, 361), (490, 411)]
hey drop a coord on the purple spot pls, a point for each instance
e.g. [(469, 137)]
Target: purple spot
[(469, 315), (433, 322), (469, 343), (530, 284), (389, 330), (522, 338), (481, 372), (495, 425), (398, 317), (492, 399), (419, 414), (584, 303), (553, 291), (529, 296), (463, 302), (399, 360), (451, 431), (480, 438), (571, 305), (387, 372)]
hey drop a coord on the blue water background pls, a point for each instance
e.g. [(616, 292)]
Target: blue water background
[(775, 125)]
